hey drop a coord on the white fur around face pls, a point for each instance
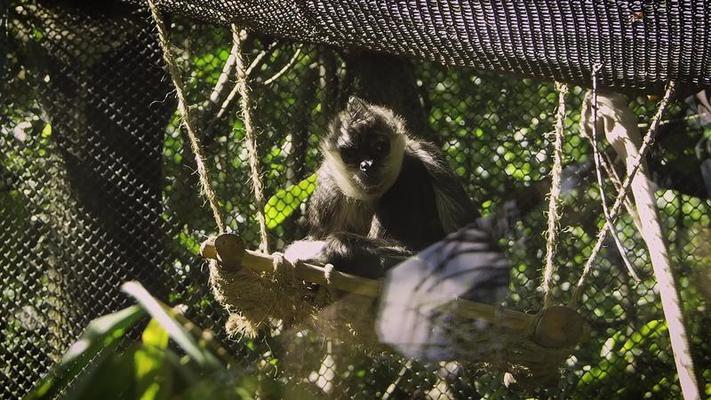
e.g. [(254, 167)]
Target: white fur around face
[(393, 164), (344, 177)]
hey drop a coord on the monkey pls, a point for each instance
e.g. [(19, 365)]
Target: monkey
[(381, 194)]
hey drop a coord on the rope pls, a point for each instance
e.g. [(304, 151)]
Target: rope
[(622, 194), (251, 140), (598, 174), (187, 117), (554, 196)]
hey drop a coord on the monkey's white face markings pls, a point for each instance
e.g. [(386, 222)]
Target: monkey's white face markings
[(347, 178)]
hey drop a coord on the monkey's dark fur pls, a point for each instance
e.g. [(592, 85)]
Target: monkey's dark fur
[(380, 193)]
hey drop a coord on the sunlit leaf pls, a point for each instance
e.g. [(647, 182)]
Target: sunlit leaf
[(153, 373), (154, 335), (189, 243), (47, 130), (285, 201), (617, 359), (101, 335), (176, 331)]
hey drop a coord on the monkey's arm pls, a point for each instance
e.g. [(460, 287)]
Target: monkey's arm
[(338, 230), (321, 218), (454, 207), (350, 253), (363, 256)]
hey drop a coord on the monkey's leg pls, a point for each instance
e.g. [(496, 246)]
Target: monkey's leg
[(304, 250), (363, 256)]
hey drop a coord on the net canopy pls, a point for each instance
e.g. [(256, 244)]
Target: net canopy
[(640, 44), (98, 183)]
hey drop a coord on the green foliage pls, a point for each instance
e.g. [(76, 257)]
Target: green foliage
[(104, 364), (97, 343), (620, 353), (151, 369), (286, 201), (202, 357)]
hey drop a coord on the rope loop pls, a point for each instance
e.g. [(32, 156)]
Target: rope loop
[(622, 193)]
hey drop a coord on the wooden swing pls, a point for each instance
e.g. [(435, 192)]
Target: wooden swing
[(256, 291)]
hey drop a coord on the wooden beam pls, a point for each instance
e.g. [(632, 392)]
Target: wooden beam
[(554, 327)]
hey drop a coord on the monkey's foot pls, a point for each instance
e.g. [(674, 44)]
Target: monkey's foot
[(279, 261)]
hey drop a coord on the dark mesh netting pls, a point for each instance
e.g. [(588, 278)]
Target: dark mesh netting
[(639, 43), (98, 183)]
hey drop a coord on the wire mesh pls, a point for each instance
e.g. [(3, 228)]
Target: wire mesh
[(98, 186), (639, 43)]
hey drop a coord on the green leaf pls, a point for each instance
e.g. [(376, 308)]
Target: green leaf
[(100, 336), (176, 331), (617, 360), (285, 201), (189, 243), (153, 375), (650, 331), (47, 130), (154, 335), (113, 379)]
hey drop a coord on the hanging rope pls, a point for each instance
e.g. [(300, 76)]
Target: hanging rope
[(251, 139), (187, 117), (622, 194), (598, 174), (554, 196)]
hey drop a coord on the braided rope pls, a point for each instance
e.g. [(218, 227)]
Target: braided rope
[(251, 139), (554, 196), (187, 117)]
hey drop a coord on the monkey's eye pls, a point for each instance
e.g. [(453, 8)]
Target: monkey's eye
[(349, 155), (381, 147)]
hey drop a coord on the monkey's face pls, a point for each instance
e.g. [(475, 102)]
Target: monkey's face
[(364, 149)]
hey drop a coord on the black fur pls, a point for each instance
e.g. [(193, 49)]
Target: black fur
[(425, 202)]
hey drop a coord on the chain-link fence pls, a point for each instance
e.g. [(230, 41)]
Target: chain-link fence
[(98, 186)]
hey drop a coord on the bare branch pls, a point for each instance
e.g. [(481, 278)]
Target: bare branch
[(288, 65), (218, 91), (256, 63), (598, 174)]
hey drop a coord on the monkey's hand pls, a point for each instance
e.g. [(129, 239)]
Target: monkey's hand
[(350, 253), (361, 255)]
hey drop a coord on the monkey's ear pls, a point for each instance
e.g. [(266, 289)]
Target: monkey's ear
[(356, 104)]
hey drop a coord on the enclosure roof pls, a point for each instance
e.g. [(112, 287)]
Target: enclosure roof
[(640, 44)]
